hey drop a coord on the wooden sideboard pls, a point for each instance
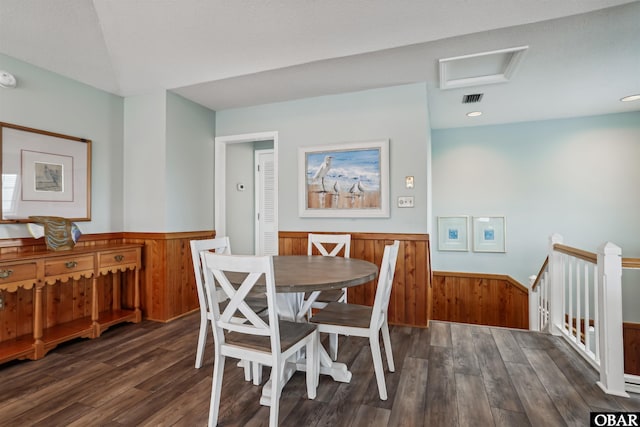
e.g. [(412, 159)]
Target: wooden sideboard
[(35, 271)]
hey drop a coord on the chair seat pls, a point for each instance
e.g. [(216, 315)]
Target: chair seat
[(290, 334), (351, 315), (333, 295)]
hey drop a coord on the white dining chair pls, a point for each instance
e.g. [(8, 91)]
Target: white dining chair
[(264, 340), (365, 321), (319, 299), (219, 245)]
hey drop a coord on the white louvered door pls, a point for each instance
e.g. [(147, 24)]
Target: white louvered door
[(266, 211)]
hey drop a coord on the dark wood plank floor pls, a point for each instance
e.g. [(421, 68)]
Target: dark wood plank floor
[(447, 375)]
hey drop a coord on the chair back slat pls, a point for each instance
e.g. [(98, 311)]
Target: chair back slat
[(219, 266), (237, 301), (341, 241), (219, 245), (385, 283)]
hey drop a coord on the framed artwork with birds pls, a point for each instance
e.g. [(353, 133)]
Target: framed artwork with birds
[(344, 180)]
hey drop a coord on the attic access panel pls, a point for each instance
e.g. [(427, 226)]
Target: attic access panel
[(497, 66)]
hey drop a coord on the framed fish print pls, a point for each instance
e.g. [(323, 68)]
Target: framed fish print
[(489, 234), (349, 180), (453, 233)]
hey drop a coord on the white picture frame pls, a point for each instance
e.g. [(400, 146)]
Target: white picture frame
[(489, 234), (349, 180), (453, 233)]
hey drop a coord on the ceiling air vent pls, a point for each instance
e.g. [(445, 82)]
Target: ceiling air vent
[(472, 98)]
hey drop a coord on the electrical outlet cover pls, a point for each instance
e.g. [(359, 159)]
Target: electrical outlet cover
[(405, 201)]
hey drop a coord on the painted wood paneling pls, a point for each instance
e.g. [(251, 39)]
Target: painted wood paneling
[(482, 299), (409, 303)]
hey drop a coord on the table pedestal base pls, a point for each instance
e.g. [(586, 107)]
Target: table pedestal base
[(290, 307), (337, 371)]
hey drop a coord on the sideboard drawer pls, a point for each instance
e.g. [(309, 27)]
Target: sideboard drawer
[(18, 272), (124, 257), (67, 265)]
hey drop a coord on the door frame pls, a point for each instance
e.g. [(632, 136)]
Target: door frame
[(220, 173)]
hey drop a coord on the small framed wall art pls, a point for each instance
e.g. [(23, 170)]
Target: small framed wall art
[(489, 234), (453, 233)]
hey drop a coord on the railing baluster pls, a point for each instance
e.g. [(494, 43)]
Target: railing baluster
[(541, 303), (587, 323), (546, 297), (596, 311), (578, 302), (570, 286), (534, 305)]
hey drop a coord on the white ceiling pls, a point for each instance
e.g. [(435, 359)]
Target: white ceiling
[(583, 55)]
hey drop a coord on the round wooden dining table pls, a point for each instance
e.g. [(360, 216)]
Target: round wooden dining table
[(296, 275), (302, 273)]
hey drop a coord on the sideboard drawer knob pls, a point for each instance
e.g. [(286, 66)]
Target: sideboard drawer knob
[(119, 258), (71, 264), (5, 273)]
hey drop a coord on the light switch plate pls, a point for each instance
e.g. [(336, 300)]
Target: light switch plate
[(408, 182), (405, 201)]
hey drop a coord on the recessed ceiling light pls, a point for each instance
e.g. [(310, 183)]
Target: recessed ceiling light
[(630, 98), (474, 114)]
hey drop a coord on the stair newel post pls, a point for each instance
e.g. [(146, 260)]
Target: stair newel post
[(534, 306), (556, 286), (610, 319)]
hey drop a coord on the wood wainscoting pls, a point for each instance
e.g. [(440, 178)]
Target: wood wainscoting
[(410, 297), (631, 338), (482, 299), (167, 283), (168, 286)]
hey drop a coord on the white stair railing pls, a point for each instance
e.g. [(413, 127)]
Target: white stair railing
[(578, 295), (539, 299)]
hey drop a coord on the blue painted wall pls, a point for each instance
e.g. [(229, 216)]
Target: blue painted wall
[(399, 114), (576, 177)]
